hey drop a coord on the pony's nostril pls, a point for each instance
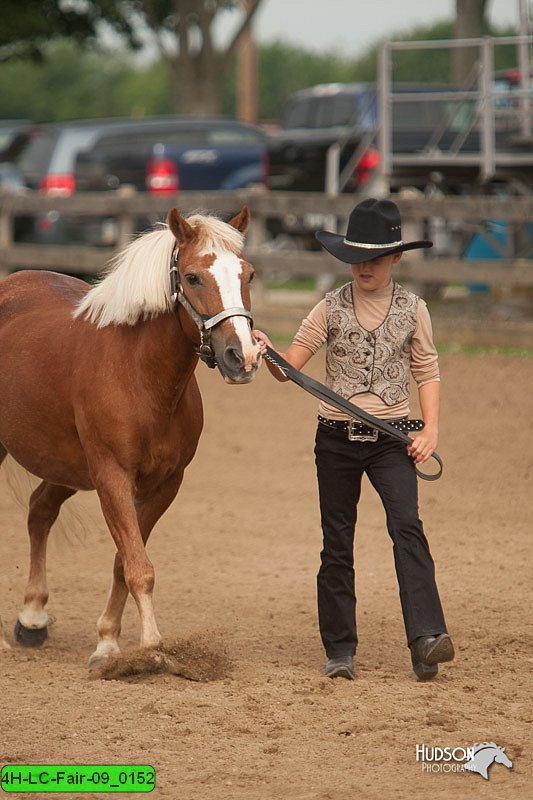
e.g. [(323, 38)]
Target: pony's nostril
[(233, 357)]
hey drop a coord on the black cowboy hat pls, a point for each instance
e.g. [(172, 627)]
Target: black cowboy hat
[(374, 230)]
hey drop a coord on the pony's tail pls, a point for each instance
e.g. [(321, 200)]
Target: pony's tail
[(69, 526)]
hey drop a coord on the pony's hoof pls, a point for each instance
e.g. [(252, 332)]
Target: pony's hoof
[(102, 656), (97, 660), (30, 637)]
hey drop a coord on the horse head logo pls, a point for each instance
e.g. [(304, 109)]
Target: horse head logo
[(485, 754)]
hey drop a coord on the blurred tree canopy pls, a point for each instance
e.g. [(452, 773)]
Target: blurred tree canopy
[(29, 25), (75, 83), (181, 30)]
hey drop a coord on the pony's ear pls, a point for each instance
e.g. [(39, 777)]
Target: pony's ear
[(179, 226), (242, 220)]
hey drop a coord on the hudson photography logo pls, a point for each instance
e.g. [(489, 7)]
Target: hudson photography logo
[(477, 758)]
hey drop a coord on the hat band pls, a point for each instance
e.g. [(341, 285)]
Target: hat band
[(373, 246)]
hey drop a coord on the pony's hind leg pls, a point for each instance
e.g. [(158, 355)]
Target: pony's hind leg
[(31, 627)]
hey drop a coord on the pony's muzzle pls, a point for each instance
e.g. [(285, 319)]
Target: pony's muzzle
[(236, 366), (234, 358)]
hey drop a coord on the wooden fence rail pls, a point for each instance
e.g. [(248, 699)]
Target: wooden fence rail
[(127, 206)]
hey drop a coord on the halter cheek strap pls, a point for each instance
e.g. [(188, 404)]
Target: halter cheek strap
[(204, 323)]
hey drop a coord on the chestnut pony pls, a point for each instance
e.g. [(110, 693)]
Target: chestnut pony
[(97, 391)]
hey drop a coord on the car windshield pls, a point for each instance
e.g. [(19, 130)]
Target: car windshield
[(298, 113), (71, 142), (35, 159)]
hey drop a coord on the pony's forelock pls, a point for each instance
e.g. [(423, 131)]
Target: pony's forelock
[(215, 235), (136, 285)]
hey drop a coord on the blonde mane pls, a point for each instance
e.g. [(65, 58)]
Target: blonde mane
[(136, 284)]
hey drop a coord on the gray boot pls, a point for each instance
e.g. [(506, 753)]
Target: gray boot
[(340, 667)]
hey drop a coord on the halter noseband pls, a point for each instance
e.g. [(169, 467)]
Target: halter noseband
[(204, 323)]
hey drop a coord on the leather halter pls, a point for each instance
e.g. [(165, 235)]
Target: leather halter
[(204, 323)]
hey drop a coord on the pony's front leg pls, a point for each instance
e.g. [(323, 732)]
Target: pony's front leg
[(31, 628), (109, 624), (133, 572)]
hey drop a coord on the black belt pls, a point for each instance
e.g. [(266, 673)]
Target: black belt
[(358, 431), (323, 393)]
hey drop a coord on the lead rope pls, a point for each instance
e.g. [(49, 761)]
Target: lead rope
[(323, 393)]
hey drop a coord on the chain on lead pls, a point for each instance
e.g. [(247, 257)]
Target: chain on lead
[(273, 361)]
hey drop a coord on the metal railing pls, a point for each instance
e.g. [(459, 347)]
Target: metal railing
[(489, 158), (480, 98)]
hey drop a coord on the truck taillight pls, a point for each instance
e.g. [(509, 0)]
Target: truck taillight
[(162, 176), (368, 162), (58, 185)]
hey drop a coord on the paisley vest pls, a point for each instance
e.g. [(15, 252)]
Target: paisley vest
[(377, 361)]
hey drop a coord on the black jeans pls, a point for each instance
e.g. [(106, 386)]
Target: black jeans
[(340, 468)]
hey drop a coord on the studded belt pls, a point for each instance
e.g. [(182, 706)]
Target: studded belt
[(359, 432)]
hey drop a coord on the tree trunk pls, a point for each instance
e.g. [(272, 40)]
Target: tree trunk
[(470, 23), (247, 65), (198, 70), (197, 84)]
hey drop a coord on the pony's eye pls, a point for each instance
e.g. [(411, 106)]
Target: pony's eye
[(192, 279), (252, 276)]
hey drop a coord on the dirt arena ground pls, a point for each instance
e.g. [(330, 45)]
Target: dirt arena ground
[(236, 558)]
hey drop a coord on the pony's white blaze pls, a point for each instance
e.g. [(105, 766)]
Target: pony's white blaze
[(227, 271)]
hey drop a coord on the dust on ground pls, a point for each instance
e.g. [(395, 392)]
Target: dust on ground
[(236, 558)]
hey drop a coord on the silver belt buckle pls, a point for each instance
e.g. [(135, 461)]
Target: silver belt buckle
[(360, 437)]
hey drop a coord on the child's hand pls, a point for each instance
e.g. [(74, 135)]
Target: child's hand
[(423, 447), (263, 340)]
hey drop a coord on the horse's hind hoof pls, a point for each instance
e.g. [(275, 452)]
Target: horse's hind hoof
[(30, 637)]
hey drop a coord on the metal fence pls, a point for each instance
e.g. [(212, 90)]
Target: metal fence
[(488, 107), (480, 92)]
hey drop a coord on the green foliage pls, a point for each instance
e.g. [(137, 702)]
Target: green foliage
[(76, 83), (428, 66), (73, 84), (28, 25)]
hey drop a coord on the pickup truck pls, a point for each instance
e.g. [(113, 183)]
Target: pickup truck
[(433, 127), (322, 115), (178, 153), (435, 139)]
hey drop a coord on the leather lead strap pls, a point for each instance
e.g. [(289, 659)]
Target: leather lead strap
[(323, 393)]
